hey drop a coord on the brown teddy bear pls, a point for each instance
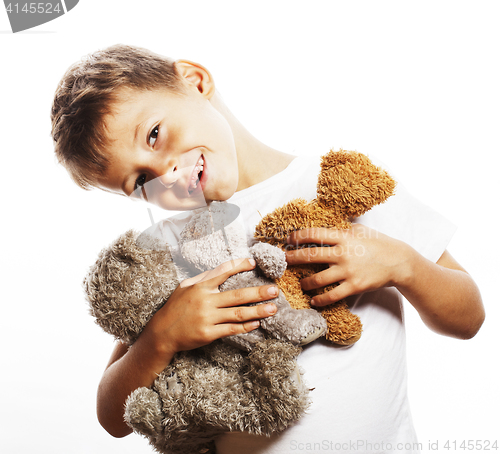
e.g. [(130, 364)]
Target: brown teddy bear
[(349, 185)]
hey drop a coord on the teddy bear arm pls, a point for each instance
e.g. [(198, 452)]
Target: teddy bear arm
[(130, 280), (245, 341), (270, 259), (298, 327)]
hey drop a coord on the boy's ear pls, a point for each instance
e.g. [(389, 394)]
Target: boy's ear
[(197, 76)]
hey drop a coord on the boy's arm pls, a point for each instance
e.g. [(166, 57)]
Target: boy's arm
[(194, 315), (363, 260), (129, 368), (444, 294)]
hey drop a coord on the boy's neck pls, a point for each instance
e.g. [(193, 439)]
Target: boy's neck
[(256, 161)]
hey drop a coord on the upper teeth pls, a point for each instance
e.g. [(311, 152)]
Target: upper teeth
[(199, 164), (197, 170)]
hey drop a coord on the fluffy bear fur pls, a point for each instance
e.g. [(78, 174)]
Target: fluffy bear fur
[(216, 388), (349, 185)]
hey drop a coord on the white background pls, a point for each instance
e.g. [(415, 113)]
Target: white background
[(413, 83)]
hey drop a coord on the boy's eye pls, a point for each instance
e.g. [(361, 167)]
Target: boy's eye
[(153, 136), (141, 181), (139, 189)]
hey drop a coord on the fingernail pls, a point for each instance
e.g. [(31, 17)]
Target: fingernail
[(271, 308), (252, 262), (273, 291), (312, 302), (254, 324)]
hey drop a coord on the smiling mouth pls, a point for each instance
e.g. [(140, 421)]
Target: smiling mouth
[(196, 175)]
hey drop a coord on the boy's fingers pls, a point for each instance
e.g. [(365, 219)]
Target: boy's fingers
[(245, 314), (247, 295), (194, 280), (221, 272), (236, 319), (239, 320), (322, 278), (340, 292), (230, 329), (218, 275)]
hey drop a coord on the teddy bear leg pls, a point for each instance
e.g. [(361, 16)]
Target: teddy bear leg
[(276, 377), (344, 327), (159, 414), (299, 327), (143, 413)]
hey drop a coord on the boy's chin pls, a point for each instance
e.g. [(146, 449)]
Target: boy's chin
[(197, 199), (188, 204)]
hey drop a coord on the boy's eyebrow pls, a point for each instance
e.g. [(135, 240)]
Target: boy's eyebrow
[(136, 132)]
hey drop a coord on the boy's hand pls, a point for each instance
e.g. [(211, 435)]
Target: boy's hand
[(360, 259), (363, 260), (197, 313), (194, 315)]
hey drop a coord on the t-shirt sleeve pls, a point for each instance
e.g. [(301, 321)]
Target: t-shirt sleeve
[(407, 219)]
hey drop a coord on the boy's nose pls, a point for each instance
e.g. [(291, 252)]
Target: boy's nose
[(168, 179)]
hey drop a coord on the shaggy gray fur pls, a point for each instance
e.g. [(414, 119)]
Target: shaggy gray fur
[(217, 388)]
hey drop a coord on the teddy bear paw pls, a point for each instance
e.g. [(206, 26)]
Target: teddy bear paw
[(143, 412), (318, 332)]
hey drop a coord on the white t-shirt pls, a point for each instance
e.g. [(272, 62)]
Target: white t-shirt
[(359, 393)]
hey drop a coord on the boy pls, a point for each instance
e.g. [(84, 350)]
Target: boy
[(140, 125)]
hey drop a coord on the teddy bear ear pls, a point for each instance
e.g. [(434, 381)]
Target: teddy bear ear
[(128, 284), (351, 184)]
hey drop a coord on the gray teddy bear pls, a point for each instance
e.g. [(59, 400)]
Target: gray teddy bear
[(248, 382)]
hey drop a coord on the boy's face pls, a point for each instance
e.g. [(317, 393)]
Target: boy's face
[(174, 149)]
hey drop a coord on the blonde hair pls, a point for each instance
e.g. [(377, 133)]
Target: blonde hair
[(85, 95)]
